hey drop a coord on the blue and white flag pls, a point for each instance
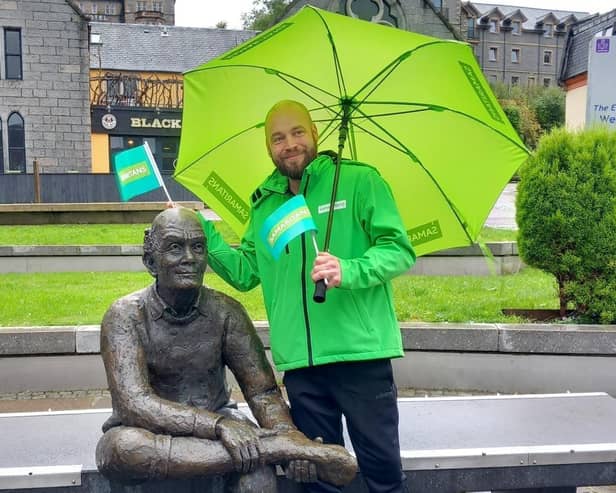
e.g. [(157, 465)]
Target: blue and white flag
[(290, 220)]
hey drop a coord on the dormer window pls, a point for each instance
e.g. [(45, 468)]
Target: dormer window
[(493, 25), (516, 27), (548, 30)]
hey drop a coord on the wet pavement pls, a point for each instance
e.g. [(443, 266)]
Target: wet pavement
[(502, 215)]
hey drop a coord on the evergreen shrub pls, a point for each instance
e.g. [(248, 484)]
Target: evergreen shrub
[(566, 214)]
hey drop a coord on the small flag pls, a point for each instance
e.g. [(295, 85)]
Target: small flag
[(136, 172), (291, 219)]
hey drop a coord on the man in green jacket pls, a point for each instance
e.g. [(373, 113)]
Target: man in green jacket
[(336, 355)]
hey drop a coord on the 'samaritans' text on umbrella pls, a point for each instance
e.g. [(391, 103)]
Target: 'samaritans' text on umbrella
[(227, 197)]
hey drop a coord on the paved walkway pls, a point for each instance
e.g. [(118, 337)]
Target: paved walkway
[(97, 399)]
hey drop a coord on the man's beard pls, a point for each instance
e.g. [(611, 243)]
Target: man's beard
[(295, 172)]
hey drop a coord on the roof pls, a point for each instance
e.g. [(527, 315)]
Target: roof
[(159, 48), (533, 16), (576, 48)]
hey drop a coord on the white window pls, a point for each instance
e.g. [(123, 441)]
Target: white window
[(157, 6), (515, 55), (516, 27), (548, 30), (547, 57), (493, 25), (493, 54), (110, 9), (140, 7), (94, 9)]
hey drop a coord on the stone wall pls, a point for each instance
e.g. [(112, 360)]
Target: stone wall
[(53, 96)]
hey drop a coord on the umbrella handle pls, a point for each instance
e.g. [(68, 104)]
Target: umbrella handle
[(320, 289)]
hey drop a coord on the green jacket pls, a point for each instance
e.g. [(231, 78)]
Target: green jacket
[(357, 320)]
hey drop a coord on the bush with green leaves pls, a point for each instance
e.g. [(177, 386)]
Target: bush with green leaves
[(549, 108), (566, 213)]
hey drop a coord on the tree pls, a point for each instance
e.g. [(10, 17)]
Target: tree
[(264, 14), (549, 107), (221, 24), (566, 213)]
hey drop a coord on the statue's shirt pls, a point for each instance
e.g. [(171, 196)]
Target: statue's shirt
[(185, 354)]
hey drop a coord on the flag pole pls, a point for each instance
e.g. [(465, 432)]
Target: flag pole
[(157, 172)]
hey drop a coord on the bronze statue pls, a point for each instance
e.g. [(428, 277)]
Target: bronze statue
[(165, 349)]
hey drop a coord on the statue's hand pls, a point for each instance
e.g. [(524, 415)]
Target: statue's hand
[(302, 471), (242, 442)]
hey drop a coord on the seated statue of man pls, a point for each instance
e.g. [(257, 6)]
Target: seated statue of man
[(165, 350)]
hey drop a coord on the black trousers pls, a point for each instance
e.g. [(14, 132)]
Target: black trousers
[(365, 393)]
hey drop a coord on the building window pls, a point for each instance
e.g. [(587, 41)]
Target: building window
[(515, 80), (157, 6), (140, 6), (12, 53), (493, 79), (493, 25), (94, 9), (516, 27), (515, 55), (493, 54), (548, 30), (165, 149), (1, 150), (546, 82), (17, 143), (531, 81), (547, 57), (110, 9), (470, 28)]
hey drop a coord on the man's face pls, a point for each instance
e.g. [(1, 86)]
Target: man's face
[(291, 140), (179, 261)]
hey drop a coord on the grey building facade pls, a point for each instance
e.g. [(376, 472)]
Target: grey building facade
[(44, 85), (518, 45), (129, 11), (432, 17)]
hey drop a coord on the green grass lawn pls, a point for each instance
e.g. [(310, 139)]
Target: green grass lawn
[(132, 234), (82, 298)]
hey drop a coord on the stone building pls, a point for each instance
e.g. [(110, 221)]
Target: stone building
[(44, 74), (518, 45), (574, 72), (437, 18), (130, 11)]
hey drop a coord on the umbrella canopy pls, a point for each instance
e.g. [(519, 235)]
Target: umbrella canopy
[(417, 108)]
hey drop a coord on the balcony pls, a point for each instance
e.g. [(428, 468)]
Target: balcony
[(136, 90)]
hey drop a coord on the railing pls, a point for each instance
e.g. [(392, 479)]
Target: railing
[(152, 91)]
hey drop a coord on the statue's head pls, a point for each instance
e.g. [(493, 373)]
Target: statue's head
[(175, 250)]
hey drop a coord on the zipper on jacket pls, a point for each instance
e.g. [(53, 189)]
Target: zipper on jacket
[(304, 289)]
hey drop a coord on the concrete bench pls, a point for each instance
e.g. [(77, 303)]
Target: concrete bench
[(553, 442), (85, 213)]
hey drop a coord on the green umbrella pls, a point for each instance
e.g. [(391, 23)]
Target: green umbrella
[(418, 108)]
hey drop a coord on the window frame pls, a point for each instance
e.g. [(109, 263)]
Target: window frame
[(518, 55), (8, 56), (516, 28), (12, 149), (549, 53), (548, 30), (492, 49), (493, 23)]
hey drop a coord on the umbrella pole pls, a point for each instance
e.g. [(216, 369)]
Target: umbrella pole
[(321, 285)]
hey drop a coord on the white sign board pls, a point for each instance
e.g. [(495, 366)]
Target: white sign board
[(601, 102)]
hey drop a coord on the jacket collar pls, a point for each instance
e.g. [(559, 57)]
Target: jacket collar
[(277, 183)]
